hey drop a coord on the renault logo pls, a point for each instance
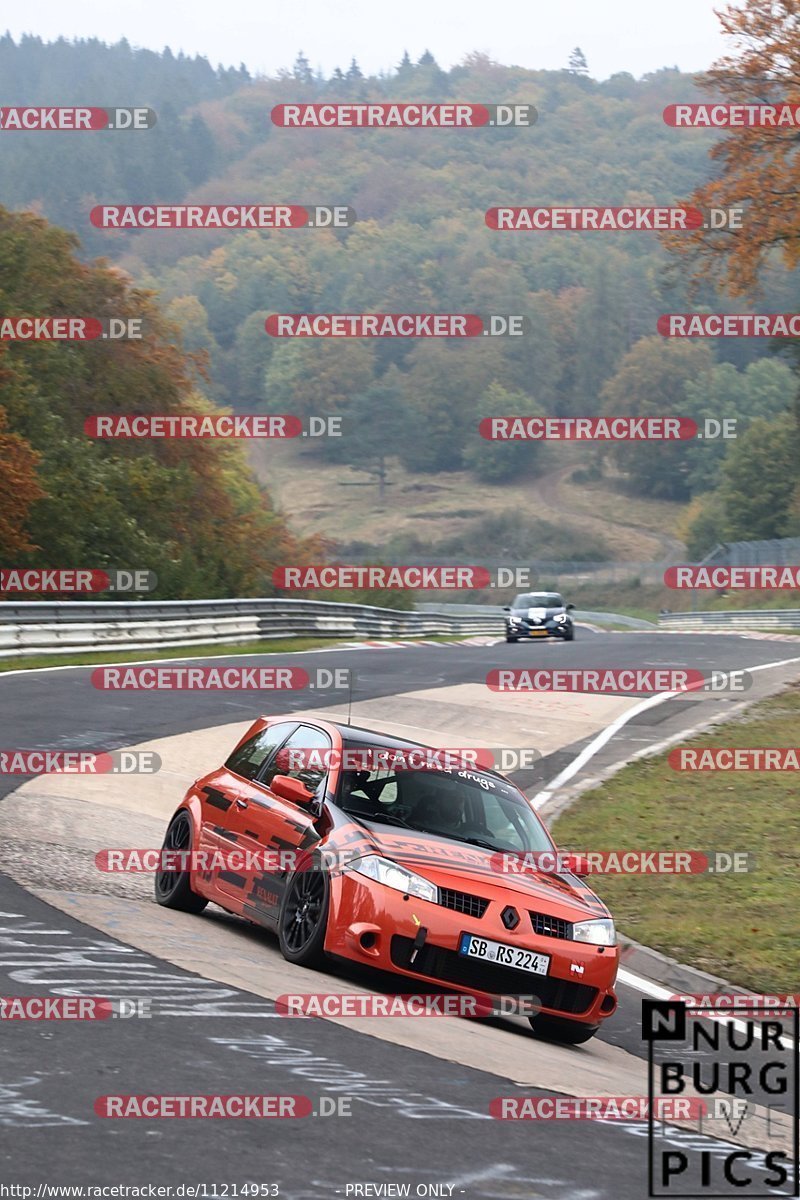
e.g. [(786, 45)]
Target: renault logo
[(510, 917)]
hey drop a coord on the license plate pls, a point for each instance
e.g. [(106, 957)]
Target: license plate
[(505, 956)]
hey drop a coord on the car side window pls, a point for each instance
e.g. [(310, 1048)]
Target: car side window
[(304, 756), (387, 787), (500, 823), (249, 758)]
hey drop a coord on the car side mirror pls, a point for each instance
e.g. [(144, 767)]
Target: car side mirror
[(506, 608), (570, 607), (576, 865), (293, 790)]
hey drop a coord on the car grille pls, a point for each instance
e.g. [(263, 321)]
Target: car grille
[(462, 902), (547, 926), (450, 967)]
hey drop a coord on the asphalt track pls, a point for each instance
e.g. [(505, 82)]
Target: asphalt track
[(418, 1118)]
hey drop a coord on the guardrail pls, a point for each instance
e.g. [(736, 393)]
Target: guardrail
[(77, 626), (753, 618)]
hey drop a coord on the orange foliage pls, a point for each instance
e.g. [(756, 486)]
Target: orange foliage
[(760, 166), (18, 491)]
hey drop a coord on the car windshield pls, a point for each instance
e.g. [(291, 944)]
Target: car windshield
[(468, 806), (539, 600)]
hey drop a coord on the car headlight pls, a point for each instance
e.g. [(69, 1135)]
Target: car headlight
[(561, 618), (597, 933), (392, 875), (514, 621)]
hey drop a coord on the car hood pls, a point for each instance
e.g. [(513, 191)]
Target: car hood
[(453, 864)]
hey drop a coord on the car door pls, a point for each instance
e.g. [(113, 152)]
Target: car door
[(275, 827), (225, 799)]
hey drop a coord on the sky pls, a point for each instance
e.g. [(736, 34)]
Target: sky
[(615, 35)]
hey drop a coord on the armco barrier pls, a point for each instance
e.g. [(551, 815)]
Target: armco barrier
[(76, 626), (732, 619)]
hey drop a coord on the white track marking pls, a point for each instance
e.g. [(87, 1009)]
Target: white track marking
[(598, 742)]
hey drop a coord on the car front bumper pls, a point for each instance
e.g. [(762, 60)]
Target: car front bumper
[(372, 924), (550, 629)]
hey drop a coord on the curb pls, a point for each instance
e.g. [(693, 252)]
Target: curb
[(670, 973)]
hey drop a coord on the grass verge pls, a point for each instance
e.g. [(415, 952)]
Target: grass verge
[(742, 927)]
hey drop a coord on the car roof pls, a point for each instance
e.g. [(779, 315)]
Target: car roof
[(358, 736), (371, 737)]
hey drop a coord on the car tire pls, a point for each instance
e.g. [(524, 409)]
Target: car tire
[(571, 1033), (511, 639), (173, 889), (571, 635), (303, 919)]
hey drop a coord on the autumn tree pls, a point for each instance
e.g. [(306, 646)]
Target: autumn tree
[(759, 167), (189, 510), (759, 172), (18, 491)]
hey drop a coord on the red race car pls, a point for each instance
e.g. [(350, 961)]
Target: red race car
[(357, 845)]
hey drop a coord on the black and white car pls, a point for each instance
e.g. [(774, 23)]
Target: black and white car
[(539, 615)]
